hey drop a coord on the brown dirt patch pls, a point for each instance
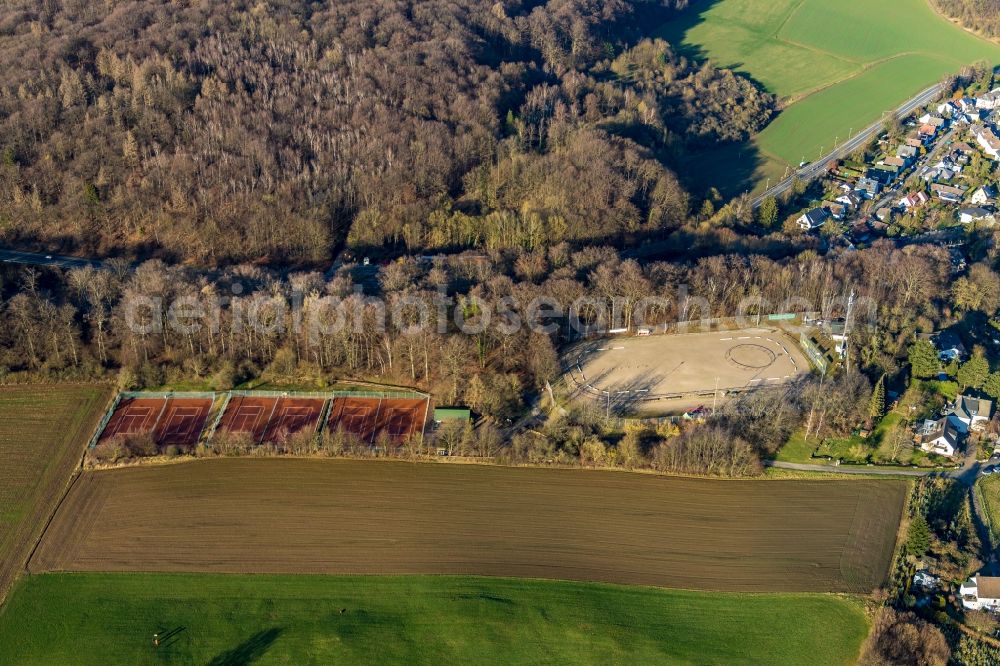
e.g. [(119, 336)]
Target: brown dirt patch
[(337, 516)]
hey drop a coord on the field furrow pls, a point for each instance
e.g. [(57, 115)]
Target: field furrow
[(362, 517)]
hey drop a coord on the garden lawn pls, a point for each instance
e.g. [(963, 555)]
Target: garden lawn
[(224, 619)]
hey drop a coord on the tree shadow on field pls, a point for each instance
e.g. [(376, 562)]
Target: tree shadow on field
[(249, 650), (731, 167), (168, 638)]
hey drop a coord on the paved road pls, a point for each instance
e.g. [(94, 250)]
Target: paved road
[(966, 474), (42, 259), (813, 169), (838, 469), (891, 197)]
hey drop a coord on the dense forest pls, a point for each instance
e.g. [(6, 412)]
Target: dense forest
[(161, 324), (283, 129), (982, 16)]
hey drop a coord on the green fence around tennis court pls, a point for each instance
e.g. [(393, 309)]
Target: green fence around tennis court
[(328, 396)]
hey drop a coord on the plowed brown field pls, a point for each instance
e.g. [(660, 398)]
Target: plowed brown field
[(337, 516), (43, 431)]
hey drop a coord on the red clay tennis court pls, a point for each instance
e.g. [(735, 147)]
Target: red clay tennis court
[(248, 414), (182, 421), (133, 416), (369, 418), (271, 419), (169, 420), (293, 415)]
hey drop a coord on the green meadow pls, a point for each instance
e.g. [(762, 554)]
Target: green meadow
[(228, 619), (836, 65)]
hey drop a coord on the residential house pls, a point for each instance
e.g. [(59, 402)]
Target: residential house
[(972, 413), (935, 173), (914, 199), (869, 186), (949, 346), (988, 141), (967, 105), (989, 101), (948, 193), (914, 141), (964, 148), (949, 164), (907, 152), (940, 437), (895, 162), (883, 176), (927, 132), (977, 214), (814, 218), (934, 121), (849, 199), (987, 194), (981, 593), (859, 232), (837, 211), (949, 109)]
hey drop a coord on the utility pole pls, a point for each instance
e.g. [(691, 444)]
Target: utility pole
[(847, 329)]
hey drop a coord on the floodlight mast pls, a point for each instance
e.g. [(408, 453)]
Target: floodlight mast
[(847, 330)]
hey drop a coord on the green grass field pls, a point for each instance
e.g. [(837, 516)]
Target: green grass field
[(111, 618), (989, 488), (837, 66)]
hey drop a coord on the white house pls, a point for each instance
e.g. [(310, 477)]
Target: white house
[(976, 214), (850, 199), (940, 437), (986, 194), (989, 101), (988, 141), (973, 413), (948, 109), (914, 199), (981, 593), (814, 218)]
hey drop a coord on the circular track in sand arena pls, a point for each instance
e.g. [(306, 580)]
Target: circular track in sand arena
[(637, 369)]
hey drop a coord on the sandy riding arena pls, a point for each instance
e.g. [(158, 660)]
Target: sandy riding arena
[(633, 370)]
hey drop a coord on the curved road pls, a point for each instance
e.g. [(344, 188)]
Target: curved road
[(52, 260), (813, 169)]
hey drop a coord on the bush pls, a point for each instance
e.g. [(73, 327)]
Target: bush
[(232, 443)]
